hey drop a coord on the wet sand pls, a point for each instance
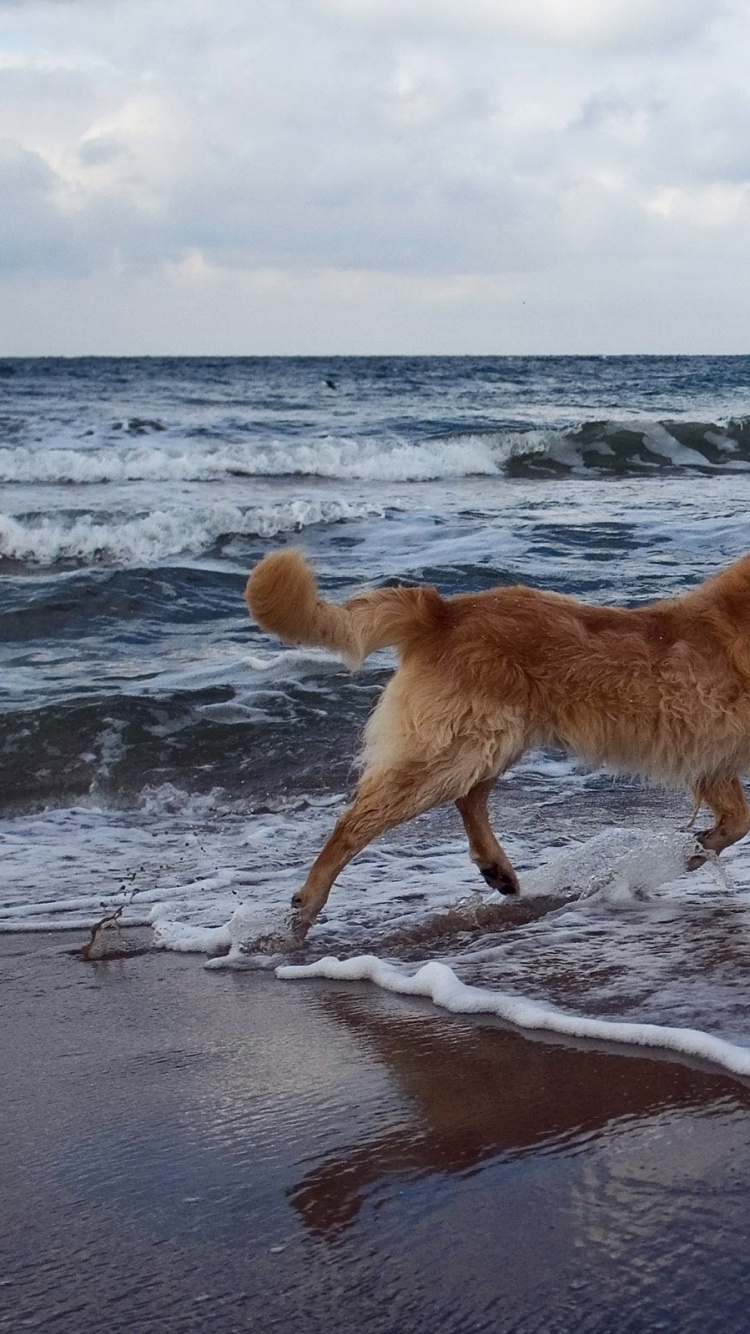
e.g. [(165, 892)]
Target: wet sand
[(192, 1151)]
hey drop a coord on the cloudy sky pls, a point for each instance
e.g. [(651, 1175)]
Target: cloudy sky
[(353, 176)]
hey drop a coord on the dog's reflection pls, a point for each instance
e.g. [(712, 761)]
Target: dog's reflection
[(479, 1092)]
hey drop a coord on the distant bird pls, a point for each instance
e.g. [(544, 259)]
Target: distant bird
[(331, 384)]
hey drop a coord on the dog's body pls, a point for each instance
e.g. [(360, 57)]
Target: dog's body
[(661, 690)]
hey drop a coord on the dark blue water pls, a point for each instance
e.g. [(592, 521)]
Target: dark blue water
[(138, 492)]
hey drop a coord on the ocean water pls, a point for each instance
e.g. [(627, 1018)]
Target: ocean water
[(160, 752)]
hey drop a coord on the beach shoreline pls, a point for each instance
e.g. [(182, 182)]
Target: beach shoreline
[(188, 1150)]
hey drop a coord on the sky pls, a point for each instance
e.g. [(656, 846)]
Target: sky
[(374, 176)]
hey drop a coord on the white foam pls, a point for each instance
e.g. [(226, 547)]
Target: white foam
[(147, 538), (440, 984), (186, 938), (74, 913), (365, 459), (371, 459), (95, 466), (377, 461), (71, 922), (620, 862), (256, 936)]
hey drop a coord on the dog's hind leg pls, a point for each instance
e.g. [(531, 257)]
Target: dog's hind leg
[(484, 848), (726, 799), (385, 798)]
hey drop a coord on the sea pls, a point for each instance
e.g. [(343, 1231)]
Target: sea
[(164, 759)]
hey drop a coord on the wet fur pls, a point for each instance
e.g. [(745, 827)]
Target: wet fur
[(661, 690)]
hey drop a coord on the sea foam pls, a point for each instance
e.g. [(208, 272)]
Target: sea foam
[(440, 984), (330, 457)]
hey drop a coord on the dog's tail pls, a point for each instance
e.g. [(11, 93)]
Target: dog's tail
[(282, 595)]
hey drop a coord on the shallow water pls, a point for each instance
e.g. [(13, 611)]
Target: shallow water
[(160, 751), (183, 1154)]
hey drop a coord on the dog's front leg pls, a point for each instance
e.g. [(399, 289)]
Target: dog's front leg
[(384, 798)]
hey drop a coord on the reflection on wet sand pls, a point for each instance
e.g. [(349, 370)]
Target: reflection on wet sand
[(468, 1107)]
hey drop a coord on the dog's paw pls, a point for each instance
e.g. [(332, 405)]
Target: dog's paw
[(499, 879), (298, 926), (702, 853), (301, 916), (705, 848)]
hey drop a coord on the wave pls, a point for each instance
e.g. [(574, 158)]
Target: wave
[(262, 736), (148, 538), (600, 447), (610, 447), (636, 447), (364, 460)]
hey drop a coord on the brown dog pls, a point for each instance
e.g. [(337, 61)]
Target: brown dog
[(662, 690)]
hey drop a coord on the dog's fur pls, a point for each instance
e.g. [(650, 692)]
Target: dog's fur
[(662, 690)]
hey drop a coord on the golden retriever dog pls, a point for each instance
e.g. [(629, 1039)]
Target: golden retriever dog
[(661, 690)]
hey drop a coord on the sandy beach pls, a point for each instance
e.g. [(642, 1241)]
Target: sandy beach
[(190, 1151)]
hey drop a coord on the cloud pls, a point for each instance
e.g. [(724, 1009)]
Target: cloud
[(31, 235), (438, 147), (99, 149), (569, 23)]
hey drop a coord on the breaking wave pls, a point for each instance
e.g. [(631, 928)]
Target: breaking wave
[(148, 538), (601, 447)]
